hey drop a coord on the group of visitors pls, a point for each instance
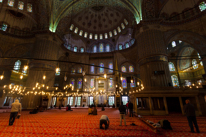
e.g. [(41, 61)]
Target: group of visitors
[(129, 106)]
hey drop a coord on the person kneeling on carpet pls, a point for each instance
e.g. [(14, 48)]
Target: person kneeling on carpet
[(34, 111), (94, 112), (90, 111), (68, 108), (104, 120)]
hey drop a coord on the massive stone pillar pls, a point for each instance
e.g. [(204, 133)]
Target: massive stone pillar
[(153, 60), (46, 47)]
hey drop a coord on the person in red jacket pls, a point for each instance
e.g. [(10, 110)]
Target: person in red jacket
[(127, 105)]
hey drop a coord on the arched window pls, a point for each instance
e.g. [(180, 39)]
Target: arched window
[(92, 69), (131, 69), (122, 25), (76, 30), (180, 41), (3, 27), (111, 68), (119, 29), (95, 36), (173, 44), (75, 49), (198, 55), (101, 47), (90, 36), (115, 32), (92, 83), (82, 50), (194, 64), (124, 69), (101, 69), (120, 47), (95, 49), (107, 48), (125, 21), (201, 63), (133, 84), (202, 6), (100, 36), (175, 81), (85, 34), (17, 65), (127, 45), (132, 41), (1, 1), (79, 84), (72, 81), (29, 7), (73, 71), (79, 70), (110, 34), (11, 3), (171, 66), (124, 82), (110, 82), (80, 32), (105, 35), (21, 5), (71, 27), (58, 73)]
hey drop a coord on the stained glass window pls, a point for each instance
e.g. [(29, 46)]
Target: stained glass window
[(95, 36), (95, 49), (72, 82), (202, 6), (194, 64), (101, 47), (21, 5), (120, 47), (80, 32), (107, 48), (201, 63), (80, 70), (72, 27), (90, 36), (131, 69), (124, 82), (124, 69), (125, 21), (29, 7), (92, 69), (111, 68), (110, 34), (101, 69), (79, 84), (198, 55), (11, 3), (122, 25), (85, 34), (75, 49), (4, 27), (105, 36), (127, 45), (180, 41), (92, 83), (1, 0), (76, 30), (73, 71), (58, 73), (173, 44), (115, 32), (171, 66), (100, 36), (110, 82), (17, 65), (82, 50), (175, 81), (133, 84), (132, 41), (119, 29)]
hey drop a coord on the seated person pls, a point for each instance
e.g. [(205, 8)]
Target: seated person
[(69, 108), (94, 112), (104, 120), (34, 111), (90, 111)]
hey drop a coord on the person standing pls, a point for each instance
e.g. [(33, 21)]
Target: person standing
[(127, 107), (104, 120), (15, 108), (189, 110), (122, 111), (130, 105)]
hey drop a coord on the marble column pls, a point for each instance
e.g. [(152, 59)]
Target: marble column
[(153, 60), (46, 47)]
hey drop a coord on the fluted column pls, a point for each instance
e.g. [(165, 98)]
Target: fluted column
[(46, 47), (153, 58)]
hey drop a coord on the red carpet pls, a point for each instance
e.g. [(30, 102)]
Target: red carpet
[(78, 123)]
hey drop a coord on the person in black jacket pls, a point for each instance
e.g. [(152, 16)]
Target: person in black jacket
[(189, 110), (122, 111), (130, 105)]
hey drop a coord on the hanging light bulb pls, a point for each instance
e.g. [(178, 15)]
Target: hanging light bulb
[(57, 70), (138, 83), (21, 76), (47, 87), (85, 80), (131, 80), (105, 75), (2, 77), (43, 85), (44, 77), (121, 78), (65, 78), (25, 67)]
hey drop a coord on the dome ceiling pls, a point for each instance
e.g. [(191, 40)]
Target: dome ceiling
[(98, 19)]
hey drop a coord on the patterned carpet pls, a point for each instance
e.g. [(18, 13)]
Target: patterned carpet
[(78, 123)]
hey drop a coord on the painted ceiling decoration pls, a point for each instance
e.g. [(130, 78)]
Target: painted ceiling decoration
[(62, 8)]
